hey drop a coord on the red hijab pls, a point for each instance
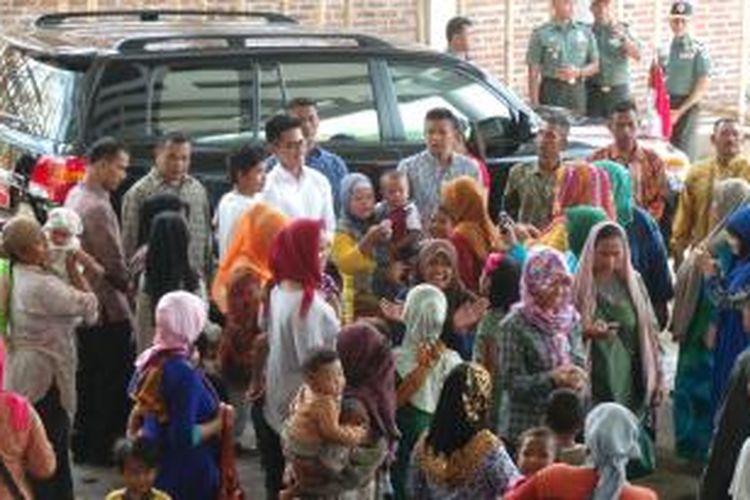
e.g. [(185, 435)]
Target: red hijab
[(20, 418), (294, 257)]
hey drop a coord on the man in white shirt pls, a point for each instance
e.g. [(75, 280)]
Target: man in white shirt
[(247, 172), (291, 187)]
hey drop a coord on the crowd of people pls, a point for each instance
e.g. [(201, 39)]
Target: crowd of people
[(412, 347)]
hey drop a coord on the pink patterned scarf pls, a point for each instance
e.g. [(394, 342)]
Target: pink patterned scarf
[(544, 268)]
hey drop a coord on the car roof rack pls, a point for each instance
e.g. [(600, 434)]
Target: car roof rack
[(154, 15), (136, 44)]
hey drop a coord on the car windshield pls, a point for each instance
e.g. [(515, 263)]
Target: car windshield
[(36, 95)]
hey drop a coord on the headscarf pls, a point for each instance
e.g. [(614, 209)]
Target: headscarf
[(543, 268), (578, 223), (425, 311), (432, 248), (611, 435), (582, 183), (728, 195), (622, 189), (294, 257), (250, 247), (369, 368), (463, 199), (179, 320), (584, 293), (19, 233), (20, 412), (348, 222)]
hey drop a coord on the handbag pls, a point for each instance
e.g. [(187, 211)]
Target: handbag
[(229, 487), (10, 483)]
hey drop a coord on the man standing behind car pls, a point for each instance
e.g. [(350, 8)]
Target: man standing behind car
[(616, 47), (327, 163), (438, 163), (458, 35), (561, 55), (170, 174), (105, 356), (292, 187), (530, 190)]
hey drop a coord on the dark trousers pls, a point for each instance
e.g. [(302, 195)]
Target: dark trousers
[(684, 131), (57, 425), (105, 365), (558, 93), (601, 101), (271, 455)]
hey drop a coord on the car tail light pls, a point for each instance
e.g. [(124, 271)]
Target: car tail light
[(56, 176)]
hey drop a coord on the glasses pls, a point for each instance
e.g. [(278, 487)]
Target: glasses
[(292, 146)]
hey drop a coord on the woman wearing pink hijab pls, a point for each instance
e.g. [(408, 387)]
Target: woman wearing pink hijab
[(24, 448), (175, 405)]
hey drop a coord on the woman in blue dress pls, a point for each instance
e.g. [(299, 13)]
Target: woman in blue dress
[(176, 406), (728, 292)]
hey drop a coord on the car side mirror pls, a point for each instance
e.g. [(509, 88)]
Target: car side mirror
[(499, 135)]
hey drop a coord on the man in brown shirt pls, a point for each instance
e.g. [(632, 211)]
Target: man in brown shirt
[(105, 353)]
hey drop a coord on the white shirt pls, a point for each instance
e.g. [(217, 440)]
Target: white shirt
[(291, 340), (231, 206), (307, 196)]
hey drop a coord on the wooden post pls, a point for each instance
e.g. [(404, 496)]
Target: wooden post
[(421, 22), (744, 63), (509, 42), (322, 9), (92, 4), (284, 6), (348, 13), (461, 7)]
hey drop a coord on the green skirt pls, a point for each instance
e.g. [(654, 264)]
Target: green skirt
[(412, 423)]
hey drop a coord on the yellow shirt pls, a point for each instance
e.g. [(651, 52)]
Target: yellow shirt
[(352, 264), (155, 495), (693, 217)]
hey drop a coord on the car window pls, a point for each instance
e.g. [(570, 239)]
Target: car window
[(342, 91), (210, 101), (420, 88), (36, 96)]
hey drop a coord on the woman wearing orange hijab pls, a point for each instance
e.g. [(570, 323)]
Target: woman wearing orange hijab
[(250, 248), (474, 235)]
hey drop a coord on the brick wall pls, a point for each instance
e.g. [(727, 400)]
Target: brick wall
[(716, 22)]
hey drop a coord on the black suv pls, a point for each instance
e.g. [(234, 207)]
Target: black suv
[(67, 79)]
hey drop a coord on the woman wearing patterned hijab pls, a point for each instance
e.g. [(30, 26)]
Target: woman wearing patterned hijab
[(540, 343), (459, 456)]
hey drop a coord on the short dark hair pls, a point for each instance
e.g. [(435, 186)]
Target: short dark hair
[(626, 106), (174, 137), (565, 412), (560, 122), (722, 121), (536, 434), (318, 359), (243, 160), (139, 448), (105, 148), (301, 102), (436, 114), (456, 25), (279, 124)]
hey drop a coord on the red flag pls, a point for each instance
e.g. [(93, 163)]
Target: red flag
[(658, 85)]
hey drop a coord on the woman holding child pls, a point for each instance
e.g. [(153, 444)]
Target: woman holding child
[(41, 363)]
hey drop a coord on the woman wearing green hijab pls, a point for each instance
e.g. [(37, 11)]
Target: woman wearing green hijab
[(648, 251)]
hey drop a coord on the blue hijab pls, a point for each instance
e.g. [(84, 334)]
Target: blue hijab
[(348, 222), (739, 225)]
